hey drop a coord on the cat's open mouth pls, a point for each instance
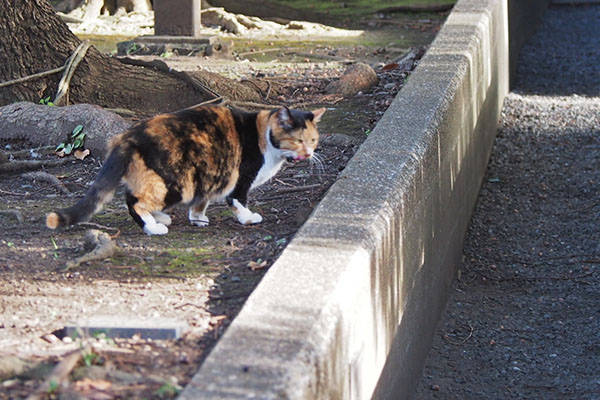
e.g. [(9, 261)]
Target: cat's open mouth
[(296, 158)]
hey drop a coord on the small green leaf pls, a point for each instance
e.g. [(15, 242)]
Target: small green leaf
[(77, 130), (89, 359), (60, 147), (68, 148), (267, 238), (80, 137), (77, 143), (132, 47), (52, 387)]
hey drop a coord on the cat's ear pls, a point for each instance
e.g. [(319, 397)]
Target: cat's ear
[(284, 117), (317, 114)]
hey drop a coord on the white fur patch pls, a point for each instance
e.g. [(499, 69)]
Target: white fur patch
[(162, 218), (244, 215), (151, 227), (273, 162)]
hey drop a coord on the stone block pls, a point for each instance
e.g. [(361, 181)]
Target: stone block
[(177, 17), (126, 327)]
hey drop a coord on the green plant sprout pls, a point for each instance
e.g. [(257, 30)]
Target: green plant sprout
[(55, 247), (168, 389), (77, 137), (47, 102)]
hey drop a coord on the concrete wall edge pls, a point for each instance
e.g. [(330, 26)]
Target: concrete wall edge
[(349, 309)]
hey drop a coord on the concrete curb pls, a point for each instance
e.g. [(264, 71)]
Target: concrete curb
[(349, 309)]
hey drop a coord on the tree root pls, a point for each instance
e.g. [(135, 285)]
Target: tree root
[(163, 67)]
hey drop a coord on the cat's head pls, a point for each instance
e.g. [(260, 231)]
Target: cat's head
[(294, 133)]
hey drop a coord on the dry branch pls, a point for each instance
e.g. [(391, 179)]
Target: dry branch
[(20, 166), (103, 247), (58, 374), (48, 178)]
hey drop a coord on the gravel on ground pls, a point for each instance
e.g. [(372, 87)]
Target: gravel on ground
[(523, 318)]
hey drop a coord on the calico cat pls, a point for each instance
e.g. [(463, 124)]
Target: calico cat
[(194, 156)]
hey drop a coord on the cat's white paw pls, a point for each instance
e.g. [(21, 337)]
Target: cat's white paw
[(199, 222), (156, 229), (198, 219), (255, 218), (244, 215), (162, 218), (249, 218)]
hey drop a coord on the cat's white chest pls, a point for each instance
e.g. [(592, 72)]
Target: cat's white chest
[(272, 164)]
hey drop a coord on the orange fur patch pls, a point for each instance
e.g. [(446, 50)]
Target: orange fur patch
[(52, 220), (188, 186), (145, 184), (262, 123)]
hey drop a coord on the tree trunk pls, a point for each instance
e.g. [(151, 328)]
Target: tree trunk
[(135, 5), (33, 39)]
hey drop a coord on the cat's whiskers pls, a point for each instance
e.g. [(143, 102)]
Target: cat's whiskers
[(316, 161)]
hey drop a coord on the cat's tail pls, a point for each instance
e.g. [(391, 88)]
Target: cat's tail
[(101, 192)]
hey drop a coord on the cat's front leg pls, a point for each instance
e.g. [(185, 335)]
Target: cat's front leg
[(243, 214), (197, 214)]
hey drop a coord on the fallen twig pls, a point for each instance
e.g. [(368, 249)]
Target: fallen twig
[(32, 77), (28, 152), (103, 248), (14, 193), (27, 165), (60, 372), (48, 178), (447, 336), (13, 213), (252, 104), (95, 225)]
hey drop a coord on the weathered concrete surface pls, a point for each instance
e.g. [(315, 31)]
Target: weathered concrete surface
[(349, 309), (177, 17), (524, 17)]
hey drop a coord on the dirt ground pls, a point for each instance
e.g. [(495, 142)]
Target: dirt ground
[(201, 276)]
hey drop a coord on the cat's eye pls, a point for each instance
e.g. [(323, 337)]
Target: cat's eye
[(299, 141)]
